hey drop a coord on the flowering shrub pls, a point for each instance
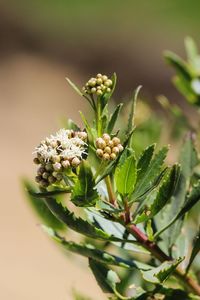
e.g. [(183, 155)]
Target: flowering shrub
[(131, 205)]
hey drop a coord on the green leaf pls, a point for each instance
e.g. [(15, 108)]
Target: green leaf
[(125, 176), (132, 112), (178, 64), (161, 273), (188, 161), (195, 250), (77, 224), (163, 196), (84, 193), (113, 118), (49, 194), (90, 251), (40, 208), (191, 200), (117, 230), (106, 278), (144, 161), (152, 172)]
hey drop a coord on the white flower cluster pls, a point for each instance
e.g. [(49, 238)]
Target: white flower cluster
[(108, 148), (57, 153), (99, 85)]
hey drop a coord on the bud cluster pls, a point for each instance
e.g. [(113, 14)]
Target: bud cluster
[(108, 148), (58, 153), (99, 85)]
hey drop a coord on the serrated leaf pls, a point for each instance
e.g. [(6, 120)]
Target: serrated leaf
[(164, 194), (161, 273), (90, 251), (188, 160), (84, 193), (116, 229), (77, 224), (125, 176), (195, 250), (113, 118), (40, 208), (152, 172), (48, 193), (106, 278), (144, 161)]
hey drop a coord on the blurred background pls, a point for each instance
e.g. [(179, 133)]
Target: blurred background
[(41, 42)]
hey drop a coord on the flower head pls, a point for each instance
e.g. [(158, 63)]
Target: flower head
[(57, 153), (99, 85), (107, 148)]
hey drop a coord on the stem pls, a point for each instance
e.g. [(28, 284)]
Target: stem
[(161, 256), (111, 195), (98, 117)]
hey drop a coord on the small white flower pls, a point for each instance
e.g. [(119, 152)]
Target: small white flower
[(45, 151)]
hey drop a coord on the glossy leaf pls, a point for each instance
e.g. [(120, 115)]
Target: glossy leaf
[(164, 194), (125, 176), (161, 273), (90, 251), (84, 192), (152, 172), (144, 161), (77, 224)]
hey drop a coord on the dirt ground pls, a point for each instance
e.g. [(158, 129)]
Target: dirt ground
[(33, 96)]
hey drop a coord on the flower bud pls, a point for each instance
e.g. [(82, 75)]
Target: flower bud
[(41, 170), (115, 150), (113, 156), (49, 167), (120, 147), (99, 81), (110, 144), (56, 158), (38, 179), (36, 161), (106, 138), (116, 141), (65, 164), (75, 162), (93, 90), (100, 143), (108, 82), (108, 90), (44, 183), (57, 166), (51, 179), (99, 152), (99, 92), (106, 156), (59, 176), (107, 150), (104, 77), (45, 175)]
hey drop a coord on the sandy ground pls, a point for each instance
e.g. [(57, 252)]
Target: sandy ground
[(33, 96)]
